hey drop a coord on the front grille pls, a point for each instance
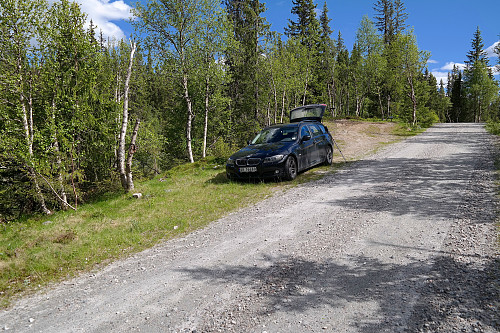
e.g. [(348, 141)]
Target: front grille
[(249, 161), (253, 161)]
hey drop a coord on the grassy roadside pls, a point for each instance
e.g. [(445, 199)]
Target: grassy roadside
[(47, 249), (494, 128)]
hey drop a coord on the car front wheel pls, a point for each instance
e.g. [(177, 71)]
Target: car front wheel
[(290, 168)]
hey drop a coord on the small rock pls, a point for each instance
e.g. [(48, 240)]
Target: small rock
[(176, 227), (31, 320), (47, 222)]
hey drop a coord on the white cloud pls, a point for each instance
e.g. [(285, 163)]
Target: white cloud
[(102, 13), (440, 76), (431, 61), (449, 66), (490, 51)]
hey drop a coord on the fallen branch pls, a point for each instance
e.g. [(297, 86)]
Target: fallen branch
[(55, 192)]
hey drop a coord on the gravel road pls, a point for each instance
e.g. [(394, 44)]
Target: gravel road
[(401, 241)]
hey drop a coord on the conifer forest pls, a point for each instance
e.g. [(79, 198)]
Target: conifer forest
[(81, 114)]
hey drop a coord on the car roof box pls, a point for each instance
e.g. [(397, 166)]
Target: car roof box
[(307, 112)]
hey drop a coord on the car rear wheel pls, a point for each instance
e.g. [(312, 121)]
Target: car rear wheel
[(329, 156), (290, 168)]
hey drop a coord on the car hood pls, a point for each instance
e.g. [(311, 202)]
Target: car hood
[(263, 150)]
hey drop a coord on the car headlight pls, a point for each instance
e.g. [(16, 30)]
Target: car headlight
[(274, 159), (230, 161)]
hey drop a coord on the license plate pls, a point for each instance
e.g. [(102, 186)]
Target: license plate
[(248, 169)]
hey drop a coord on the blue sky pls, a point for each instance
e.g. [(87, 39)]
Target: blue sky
[(445, 28)]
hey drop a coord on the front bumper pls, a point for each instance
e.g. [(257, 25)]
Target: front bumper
[(263, 171)]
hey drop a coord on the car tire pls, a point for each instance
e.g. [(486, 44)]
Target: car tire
[(290, 168), (329, 156)]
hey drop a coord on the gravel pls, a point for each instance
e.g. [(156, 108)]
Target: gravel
[(401, 241)]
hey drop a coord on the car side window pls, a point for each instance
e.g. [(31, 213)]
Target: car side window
[(304, 131), (314, 130), (322, 128)]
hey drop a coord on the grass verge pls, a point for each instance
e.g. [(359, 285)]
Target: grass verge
[(47, 249)]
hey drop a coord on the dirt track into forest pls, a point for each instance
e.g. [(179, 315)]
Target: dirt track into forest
[(403, 240)]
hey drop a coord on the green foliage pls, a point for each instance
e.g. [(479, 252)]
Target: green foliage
[(493, 127), (61, 91)]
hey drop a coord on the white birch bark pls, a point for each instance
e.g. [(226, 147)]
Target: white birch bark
[(123, 131), (131, 151)]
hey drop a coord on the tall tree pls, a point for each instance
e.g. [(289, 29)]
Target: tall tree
[(412, 62), (307, 27), (479, 86), (456, 95), (370, 46), (249, 28), (125, 168), (20, 24), (326, 60), (171, 28), (79, 118), (390, 18)]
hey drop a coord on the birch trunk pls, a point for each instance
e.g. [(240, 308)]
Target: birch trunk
[(64, 198), (123, 132), (282, 106), (131, 152), (189, 104), (205, 124), (413, 98), (28, 133)]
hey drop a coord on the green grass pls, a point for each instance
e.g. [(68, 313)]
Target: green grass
[(43, 249), (46, 249)]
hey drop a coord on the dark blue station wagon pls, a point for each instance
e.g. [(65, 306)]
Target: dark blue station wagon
[(283, 150)]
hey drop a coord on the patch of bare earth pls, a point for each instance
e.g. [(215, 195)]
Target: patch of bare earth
[(357, 139)]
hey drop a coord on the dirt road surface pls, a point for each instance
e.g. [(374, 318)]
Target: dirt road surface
[(402, 241)]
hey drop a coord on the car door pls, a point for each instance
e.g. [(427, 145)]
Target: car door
[(305, 149), (315, 153)]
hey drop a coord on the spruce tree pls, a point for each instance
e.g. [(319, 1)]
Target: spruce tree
[(249, 27), (390, 18), (326, 60), (307, 27), (479, 86), (477, 53), (456, 113)]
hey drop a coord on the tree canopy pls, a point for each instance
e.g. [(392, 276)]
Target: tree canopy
[(200, 77)]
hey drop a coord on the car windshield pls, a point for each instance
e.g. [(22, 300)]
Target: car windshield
[(276, 134)]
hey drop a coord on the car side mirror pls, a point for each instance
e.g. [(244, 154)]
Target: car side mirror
[(306, 138)]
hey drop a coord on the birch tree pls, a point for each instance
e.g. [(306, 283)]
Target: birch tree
[(412, 62), (125, 169), (20, 23), (172, 28)]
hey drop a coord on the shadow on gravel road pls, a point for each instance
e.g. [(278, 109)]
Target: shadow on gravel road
[(449, 188), (441, 182), (448, 297)]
